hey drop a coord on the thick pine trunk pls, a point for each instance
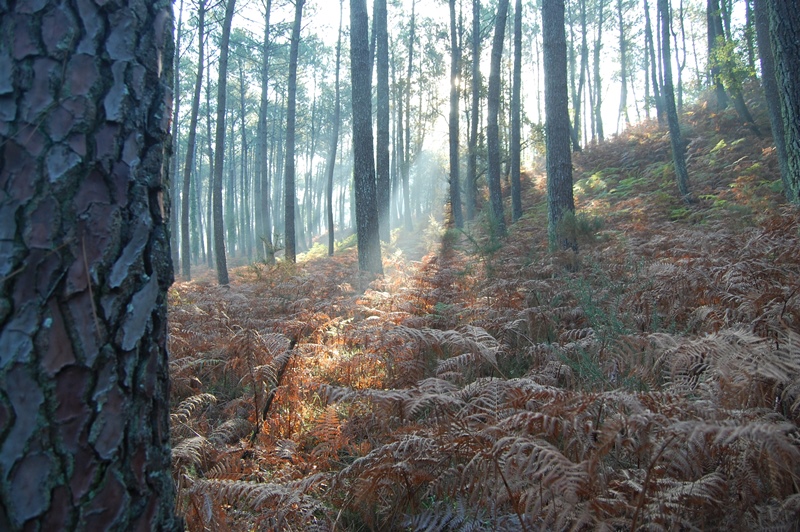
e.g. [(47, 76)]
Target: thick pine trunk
[(84, 157), (784, 28)]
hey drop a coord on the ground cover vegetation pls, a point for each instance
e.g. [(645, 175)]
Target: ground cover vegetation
[(650, 382)]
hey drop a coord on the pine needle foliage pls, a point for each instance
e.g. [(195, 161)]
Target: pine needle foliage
[(653, 382)]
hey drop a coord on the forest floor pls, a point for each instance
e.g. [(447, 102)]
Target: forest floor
[(650, 381)]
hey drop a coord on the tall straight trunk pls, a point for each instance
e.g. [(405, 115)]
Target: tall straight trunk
[(560, 200), (715, 31), (305, 230), (769, 83), (471, 183), (492, 128), (681, 63), (219, 146), (290, 198), (210, 153), (750, 34), (784, 26), (244, 178), (229, 211), (264, 246), (455, 74), (676, 140), (186, 264), (623, 69), (369, 245), (382, 167), (650, 50), (174, 219), (84, 369), (329, 166), (584, 69), (407, 158), (516, 112), (598, 82)]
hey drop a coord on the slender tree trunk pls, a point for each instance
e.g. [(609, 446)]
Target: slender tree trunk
[(623, 69), (650, 50), (244, 178), (84, 374), (471, 184), (676, 140), (560, 201), (516, 112), (598, 82), (784, 28), (584, 69), (174, 233), (264, 245), (290, 198), (219, 147), (210, 152), (493, 129), (384, 183), (455, 74), (369, 245), (186, 265), (337, 106), (714, 31)]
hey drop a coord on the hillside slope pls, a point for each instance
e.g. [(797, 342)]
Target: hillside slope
[(651, 381)]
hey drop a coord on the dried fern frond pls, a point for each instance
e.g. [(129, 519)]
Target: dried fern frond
[(187, 408)]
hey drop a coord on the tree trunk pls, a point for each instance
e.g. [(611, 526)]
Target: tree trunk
[(676, 140), (784, 28), (492, 128), (471, 184), (264, 245), (384, 183), (516, 112), (84, 391), (219, 147), (329, 166), (369, 245), (769, 83), (623, 69), (455, 74), (407, 159), (714, 21), (290, 198), (186, 264), (560, 201), (176, 104), (598, 82), (649, 44)]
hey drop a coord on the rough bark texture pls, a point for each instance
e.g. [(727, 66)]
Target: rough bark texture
[(560, 200), (369, 245), (676, 139), (455, 74), (85, 96), (492, 127), (785, 27), (770, 86)]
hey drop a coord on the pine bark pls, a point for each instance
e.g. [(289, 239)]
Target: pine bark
[(676, 139), (369, 245), (560, 199), (492, 127), (219, 147), (84, 158), (784, 29)]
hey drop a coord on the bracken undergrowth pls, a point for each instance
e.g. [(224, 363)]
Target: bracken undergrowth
[(651, 382)]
